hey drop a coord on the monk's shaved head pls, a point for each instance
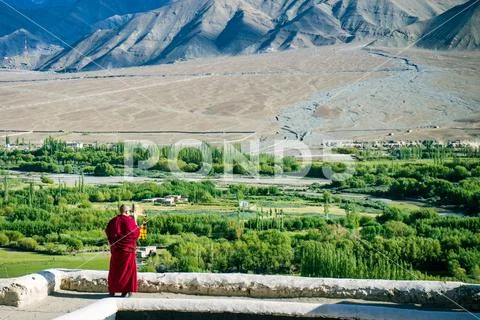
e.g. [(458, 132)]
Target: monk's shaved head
[(124, 208)]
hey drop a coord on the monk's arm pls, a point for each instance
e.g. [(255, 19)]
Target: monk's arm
[(108, 232), (134, 229)]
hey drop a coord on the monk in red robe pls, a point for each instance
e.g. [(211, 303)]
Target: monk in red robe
[(123, 232)]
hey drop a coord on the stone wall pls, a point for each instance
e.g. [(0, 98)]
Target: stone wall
[(35, 287), (22, 291), (426, 293)]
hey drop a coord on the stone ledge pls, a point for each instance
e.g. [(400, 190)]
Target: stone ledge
[(427, 293), (22, 291), (106, 309), (25, 290)]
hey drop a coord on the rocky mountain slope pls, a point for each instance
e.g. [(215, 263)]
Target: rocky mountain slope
[(144, 32), (457, 28), (55, 24), (21, 48), (377, 18), (65, 21)]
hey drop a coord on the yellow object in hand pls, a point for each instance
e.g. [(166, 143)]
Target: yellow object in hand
[(143, 232)]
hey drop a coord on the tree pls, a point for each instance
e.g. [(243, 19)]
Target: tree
[(398, 229), (3, 239), (422, 214), (68, 168), (190, 256), (404, 187), (476, 272), (459, 173), (5, 189), (31, 194), (352, 220), (327, 198), (456, 270), (104, 169), (73, 243), (392, 213), (290, 164), (14, 235), (46, 180), (27, 244), (97, 196), (278, 254)]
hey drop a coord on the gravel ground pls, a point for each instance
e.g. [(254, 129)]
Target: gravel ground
[(408, 103)]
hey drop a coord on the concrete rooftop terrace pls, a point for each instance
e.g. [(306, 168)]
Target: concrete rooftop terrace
[(65, 302), (74, 294)]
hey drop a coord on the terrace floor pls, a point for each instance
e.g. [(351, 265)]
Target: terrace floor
[(63, 302)]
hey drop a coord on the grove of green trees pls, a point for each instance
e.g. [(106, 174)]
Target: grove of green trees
[(396, 244), (55, 156), (455, 183), (438, 174)]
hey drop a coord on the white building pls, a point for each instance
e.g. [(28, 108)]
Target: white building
[(145, 252), (75, 145)]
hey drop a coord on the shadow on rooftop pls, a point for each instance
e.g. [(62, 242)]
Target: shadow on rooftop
[(398, 306), (80, 295)]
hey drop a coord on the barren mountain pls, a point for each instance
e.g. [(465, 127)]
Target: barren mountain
[(188, 29), (56, 23), (22, 48), (65, 21), (457, 28), (99, 34)]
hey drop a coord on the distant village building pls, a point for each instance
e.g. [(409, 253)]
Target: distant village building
[(75, 145), (243, 205), (455, 144), (170, 200), (176, 197), (151, 200), (167, 201), (145, 252)]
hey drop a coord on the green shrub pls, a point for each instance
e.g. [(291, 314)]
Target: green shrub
[(27, 244), (68, 168), (88, 169), (46, 180), (104, 169), (54, 248), (51, 237), (72, 243), (3, 239), (85, 204), (39, 239), (14, 235), (398, 229)]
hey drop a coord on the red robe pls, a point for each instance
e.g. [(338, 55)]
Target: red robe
[(122, 233)]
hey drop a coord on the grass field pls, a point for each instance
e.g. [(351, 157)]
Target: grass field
[(403, 205), (18, 263)]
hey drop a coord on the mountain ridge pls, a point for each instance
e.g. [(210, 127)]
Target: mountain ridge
[(168, 31), (457, 28)]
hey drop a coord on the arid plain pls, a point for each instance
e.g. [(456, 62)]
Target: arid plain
[(334, 92)]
